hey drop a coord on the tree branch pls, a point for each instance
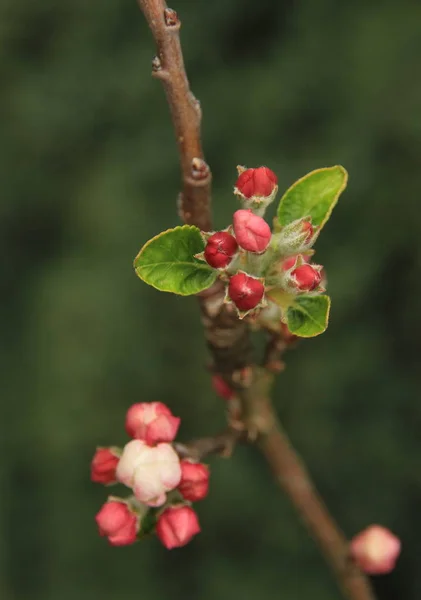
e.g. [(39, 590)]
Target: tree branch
[(293, 477), (227, 337), (222, 444), (168, 66)]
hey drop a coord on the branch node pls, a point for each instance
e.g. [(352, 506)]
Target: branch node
[(199, 169), (171, 19), (156, 64)]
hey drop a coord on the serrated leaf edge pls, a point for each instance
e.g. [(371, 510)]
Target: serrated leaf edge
[(335, 201), (305, 312), (200, 266)]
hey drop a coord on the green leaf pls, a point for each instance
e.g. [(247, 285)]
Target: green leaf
[(148, 522), (167, 262), (308, 316), (314, 195)]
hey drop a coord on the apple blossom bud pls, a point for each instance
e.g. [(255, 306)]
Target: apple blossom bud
[(245, 291), (289, 262), (252, 232), (375, 550), (176, 526), (260, 182), (220, 249), (150, 471), (222, 388), (103, 466), (118, 523), (306, 278), (194, 484), (295, 237), (152, 422)]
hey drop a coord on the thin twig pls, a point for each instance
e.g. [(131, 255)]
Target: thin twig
[(222, 444), (228, 337), (292, 475), (168, 66)]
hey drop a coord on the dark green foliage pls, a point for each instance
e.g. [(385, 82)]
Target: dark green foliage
[(86, 140)]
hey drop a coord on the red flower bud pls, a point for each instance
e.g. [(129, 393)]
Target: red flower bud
[(103, 466), (152, 422), (118, 523), (245, 291), (260, 182), (194, 484), (291, 260), (375, 550), (252, 232), (222, 388), (220, 248), (306, 278), (176, 526)]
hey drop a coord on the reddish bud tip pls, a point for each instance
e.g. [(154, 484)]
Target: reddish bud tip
[(118, 523), (252, 232), (220, 248), (307, 226), (306, 278), (291, 260), (152, 422), (259, 182), (194, 484), (176, 526), (375, 550), (103, 466), (222, 388), (245, 291)]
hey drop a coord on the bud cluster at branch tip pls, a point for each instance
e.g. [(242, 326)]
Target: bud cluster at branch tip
[(162, 485)]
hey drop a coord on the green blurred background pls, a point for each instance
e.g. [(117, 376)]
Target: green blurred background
[(89, 172)]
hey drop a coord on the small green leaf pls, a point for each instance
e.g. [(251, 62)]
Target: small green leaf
[(308, 316), (314, 195), (167, 262), (148, 522)]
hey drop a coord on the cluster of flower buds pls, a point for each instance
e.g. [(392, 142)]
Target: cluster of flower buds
[(251, 259), (163, 485), (375, 550)]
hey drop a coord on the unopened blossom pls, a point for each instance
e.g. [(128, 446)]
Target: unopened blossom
[(194, 484), (103, 466), (152, 422), (118, 523), (375, 550), (151, 471), (176, 526)]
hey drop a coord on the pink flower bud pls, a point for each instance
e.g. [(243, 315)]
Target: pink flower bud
[(176, 526), (152, 422), (222, 388), (150, 471), (306, 278), (194, 484), (307, 226), (220, 249), (245, 291), (375, 550), (103, 466), (118, 523), (252, 232), (260, 182)]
